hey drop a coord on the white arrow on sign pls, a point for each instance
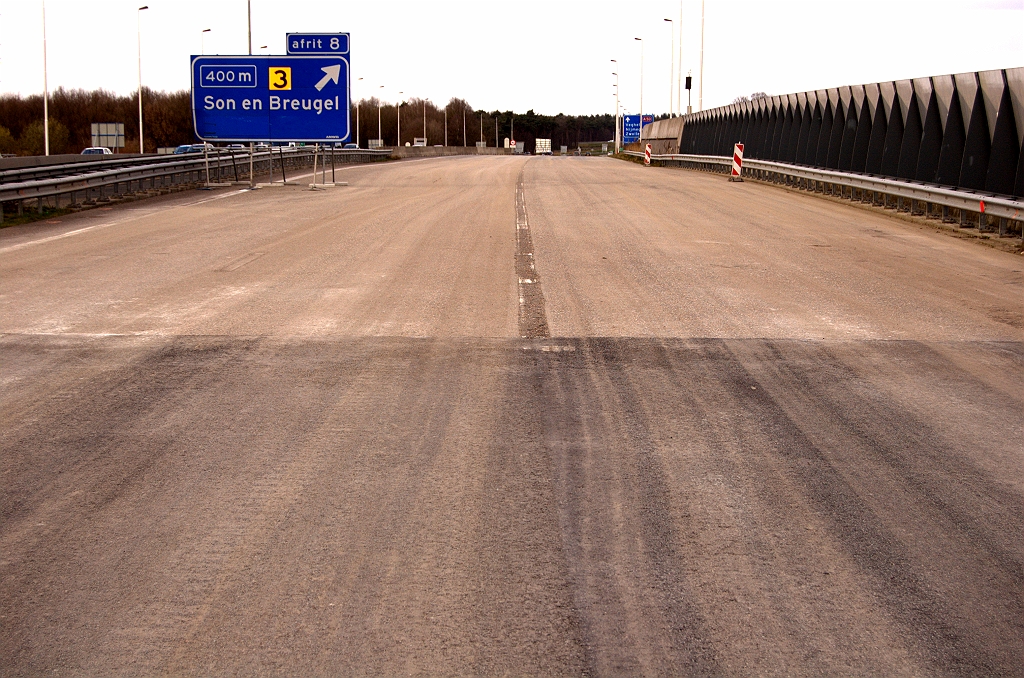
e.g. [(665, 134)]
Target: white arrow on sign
[(332, 73)]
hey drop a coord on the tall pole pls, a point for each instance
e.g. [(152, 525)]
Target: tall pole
[(138, 16), (398, 113), (672, 68), (446, 124), (616, 111), (496, 144), (700, 92), (641, 84), (379, 139), (679, 73), (424, 119), (248, 11), (464, 125), (481, 128), (46, 92)]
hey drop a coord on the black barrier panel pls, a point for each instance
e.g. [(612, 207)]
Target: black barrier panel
[(1018, 183), (824, 136), (771, 116), (800, 157), (1004, 153), (977, 147), (911, 146), (876, 146), (953, 139), (893, 139), (849, 139), (931, 142), (787, 147), (860, 146), (813, 131), (836, 138)]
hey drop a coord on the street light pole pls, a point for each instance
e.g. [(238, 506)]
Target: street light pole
[(616, 106), (672, 67), (248, 12), (616, 74), (464, 125), (203, 39), (138, 16), (679, 73), (700, 92), (46, 93), (641, 83)]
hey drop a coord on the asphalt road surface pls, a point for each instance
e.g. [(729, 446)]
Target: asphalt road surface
[(497, 415)]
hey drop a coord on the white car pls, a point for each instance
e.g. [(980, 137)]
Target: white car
[(97, 150)]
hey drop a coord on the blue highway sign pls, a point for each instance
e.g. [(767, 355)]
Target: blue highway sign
[(630, 128), (271, 98), (317, 43)]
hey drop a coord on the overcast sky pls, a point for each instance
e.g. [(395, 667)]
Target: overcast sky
[(552, 56)]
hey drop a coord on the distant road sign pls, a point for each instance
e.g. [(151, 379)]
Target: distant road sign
[(630, 128), (271, 98), (317, 43)]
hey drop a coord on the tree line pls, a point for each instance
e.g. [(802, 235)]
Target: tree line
[(167, 119)]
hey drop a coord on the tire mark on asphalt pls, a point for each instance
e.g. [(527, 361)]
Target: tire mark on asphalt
[(941, 627), (533, 321), (640, 612)]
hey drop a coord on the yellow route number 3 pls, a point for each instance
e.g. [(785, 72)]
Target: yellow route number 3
[(280, 77)]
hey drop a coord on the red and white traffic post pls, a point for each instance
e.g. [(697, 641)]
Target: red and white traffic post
[(647, 154), (737, 163)]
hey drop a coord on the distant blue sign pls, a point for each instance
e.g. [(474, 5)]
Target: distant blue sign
[(631, 127), (317, 43), (271, 98)]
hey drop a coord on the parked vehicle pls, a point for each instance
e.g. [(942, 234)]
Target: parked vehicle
[(351, 146), (97, 150)]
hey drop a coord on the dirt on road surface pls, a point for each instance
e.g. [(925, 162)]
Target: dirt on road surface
[(499, 415)]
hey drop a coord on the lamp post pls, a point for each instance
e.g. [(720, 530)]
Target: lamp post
[(616, 109), (672, 67), (679, 73), (357, 117), (616, 74), (463, 125), (398, 112), (46, 93), (203, 40), (424, 119), (641, 82), (138, 16), (446, 124), (700, 92)]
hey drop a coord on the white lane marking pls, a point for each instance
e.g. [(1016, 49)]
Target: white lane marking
[(229, 194), (95, 227)]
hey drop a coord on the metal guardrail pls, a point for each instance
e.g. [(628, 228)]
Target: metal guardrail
[(160, 173), (974, 208)]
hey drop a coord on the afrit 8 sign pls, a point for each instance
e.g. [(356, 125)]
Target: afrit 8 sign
[(271, 98)]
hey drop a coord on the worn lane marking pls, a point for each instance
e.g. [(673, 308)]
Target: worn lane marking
[(533, 321), (96, 227), (242, 261)]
